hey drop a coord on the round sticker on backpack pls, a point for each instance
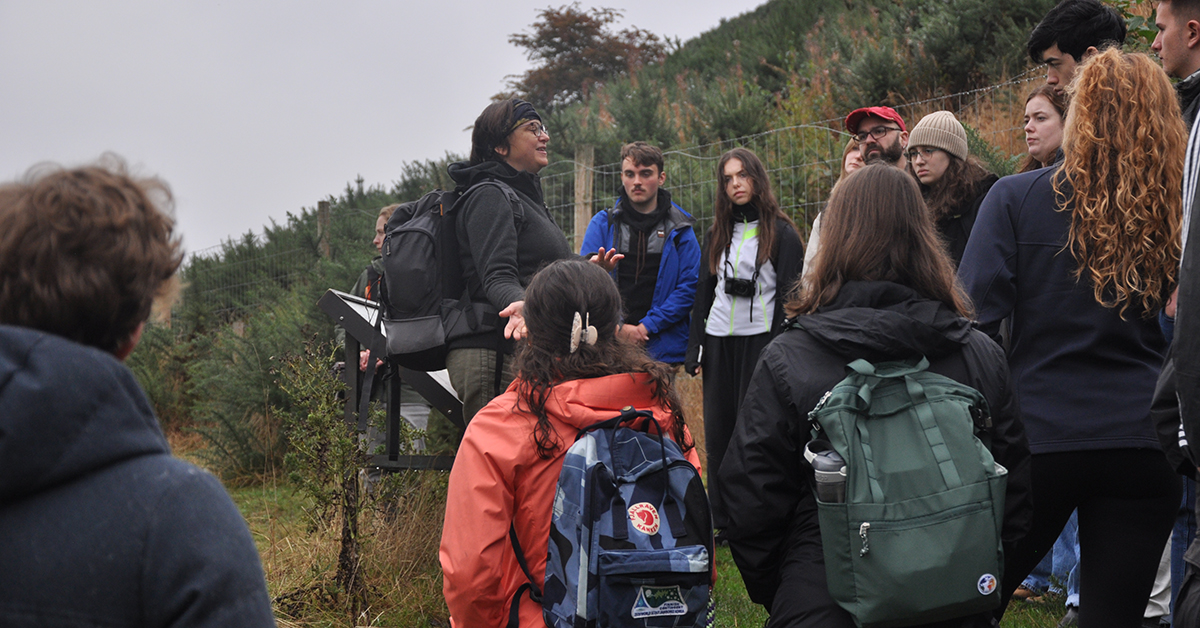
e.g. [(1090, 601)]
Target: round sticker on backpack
[(986, 584), (644, 517)]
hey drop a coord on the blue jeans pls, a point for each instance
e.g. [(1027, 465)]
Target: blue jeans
[(1057, 567), (1182, 536), (1069, 540)]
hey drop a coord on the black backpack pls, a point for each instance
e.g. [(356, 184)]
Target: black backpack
[(426, 299)]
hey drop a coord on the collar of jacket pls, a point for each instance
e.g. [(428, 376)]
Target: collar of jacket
[(674, 219)]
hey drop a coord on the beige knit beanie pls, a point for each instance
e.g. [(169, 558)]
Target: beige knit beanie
[(940, 129)]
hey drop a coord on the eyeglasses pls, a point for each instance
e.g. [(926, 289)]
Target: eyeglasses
[(537, 129), (878, 133), (924, 151)]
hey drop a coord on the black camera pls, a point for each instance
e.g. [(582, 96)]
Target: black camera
[(741, 287)]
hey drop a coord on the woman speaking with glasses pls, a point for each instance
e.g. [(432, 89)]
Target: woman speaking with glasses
[(505, 234), (751, 258), (952, 181)]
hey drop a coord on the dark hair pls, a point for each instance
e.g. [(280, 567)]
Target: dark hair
[(957, 186), (84, 252), (545, 360), (1058, 101), (876, 228), (1184, 8), (492, 129), (643, 154), (764, 200), (1076, 25)]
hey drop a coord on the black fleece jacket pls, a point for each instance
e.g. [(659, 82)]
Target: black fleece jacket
[(774, 535), (502, 246)]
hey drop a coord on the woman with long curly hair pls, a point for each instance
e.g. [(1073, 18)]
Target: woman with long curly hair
[(952, 181), (1083, 257), (751, 258), (507, 466)]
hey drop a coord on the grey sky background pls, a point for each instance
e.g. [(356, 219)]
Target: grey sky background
[(253, 109)]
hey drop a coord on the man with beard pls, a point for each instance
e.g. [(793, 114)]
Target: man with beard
[(657, 277), (881, 133)]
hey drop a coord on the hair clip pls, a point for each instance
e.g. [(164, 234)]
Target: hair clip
[(580, 332)]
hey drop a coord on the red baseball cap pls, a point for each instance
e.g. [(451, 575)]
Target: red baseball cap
[(887, 113)]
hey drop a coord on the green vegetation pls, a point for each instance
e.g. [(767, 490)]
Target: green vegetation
[(238, 374)]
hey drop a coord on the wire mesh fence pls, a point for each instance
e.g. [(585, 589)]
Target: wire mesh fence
[(803, 162)]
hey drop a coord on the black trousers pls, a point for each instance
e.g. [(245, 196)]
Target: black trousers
[(728, 363), (1127, 501)]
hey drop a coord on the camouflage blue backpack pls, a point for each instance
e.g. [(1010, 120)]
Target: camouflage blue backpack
[(631, 539)]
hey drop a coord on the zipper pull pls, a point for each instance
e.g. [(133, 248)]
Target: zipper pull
[(862, 533), (812, 414)]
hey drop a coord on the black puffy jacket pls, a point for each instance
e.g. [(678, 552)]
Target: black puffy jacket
[(774, 535)]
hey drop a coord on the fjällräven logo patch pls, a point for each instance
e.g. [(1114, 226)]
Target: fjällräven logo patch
[(659, 602), (986, 584), (644, 517)]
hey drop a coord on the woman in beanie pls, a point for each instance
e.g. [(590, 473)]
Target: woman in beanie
[(505, 234), (952, 182)]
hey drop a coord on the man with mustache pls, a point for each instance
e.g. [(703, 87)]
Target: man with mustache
[(881, 133), (657, 277)]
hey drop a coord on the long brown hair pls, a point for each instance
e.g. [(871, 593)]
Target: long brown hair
[(721, 231), (1124, 144), (876, 227), (545, 360), (958, 186), (1056, 100)]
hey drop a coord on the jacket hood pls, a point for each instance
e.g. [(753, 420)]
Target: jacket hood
[(66, 410), (465, 175), (881, 320), (583, 402)]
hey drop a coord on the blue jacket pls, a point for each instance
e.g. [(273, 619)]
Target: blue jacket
[(674, 291), (1084, 376)]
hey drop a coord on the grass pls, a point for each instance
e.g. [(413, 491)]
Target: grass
[(404, 581)]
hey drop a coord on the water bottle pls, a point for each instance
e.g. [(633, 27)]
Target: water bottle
[(829, 469)]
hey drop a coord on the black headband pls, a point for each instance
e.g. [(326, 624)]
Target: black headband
[(523, 112)]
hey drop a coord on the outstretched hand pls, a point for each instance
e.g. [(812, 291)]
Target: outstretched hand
[(515, 328), (606, 258)]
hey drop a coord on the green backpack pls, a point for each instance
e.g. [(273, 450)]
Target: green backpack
[(918, 537)]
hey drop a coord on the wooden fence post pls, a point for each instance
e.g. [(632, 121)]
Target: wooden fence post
[(323, 228), (585, 157)]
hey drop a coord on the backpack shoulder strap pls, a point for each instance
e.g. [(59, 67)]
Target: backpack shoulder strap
[(517, 208), (535, 592)]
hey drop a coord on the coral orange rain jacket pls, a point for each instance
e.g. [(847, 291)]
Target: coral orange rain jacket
[(498, 480)]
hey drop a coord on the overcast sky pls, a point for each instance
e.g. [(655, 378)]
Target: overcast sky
[(253, 109)]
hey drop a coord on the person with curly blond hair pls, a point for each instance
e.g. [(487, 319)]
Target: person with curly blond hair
[(1082, 257)]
